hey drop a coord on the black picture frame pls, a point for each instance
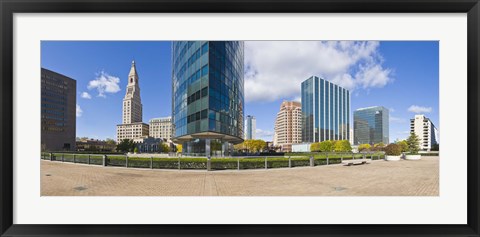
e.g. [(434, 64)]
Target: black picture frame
[(9, 7)]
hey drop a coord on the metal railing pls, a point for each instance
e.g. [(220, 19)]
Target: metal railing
[(204, 163)]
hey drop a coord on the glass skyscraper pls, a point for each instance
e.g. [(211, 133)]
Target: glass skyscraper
[(207, 104), (325, 111), (250, 127), (371, 125)]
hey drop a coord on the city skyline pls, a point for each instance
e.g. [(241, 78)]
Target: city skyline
[(378, 74)]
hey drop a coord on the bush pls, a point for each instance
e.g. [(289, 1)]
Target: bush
[(393, 150), (364, 147)]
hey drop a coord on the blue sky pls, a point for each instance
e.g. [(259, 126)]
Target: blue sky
[(399, 75)]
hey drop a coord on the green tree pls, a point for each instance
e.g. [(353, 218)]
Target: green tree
[(413, 143), (163, 147), (135, 150), (110, 141), (363, 147), (125, 145), (315, 147), (403, 144), (379, 145), (326, 146), (342, 146)]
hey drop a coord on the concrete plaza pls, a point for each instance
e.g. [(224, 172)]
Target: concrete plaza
[(379, 178)]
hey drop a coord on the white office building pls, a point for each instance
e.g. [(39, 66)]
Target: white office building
[(425, 130)]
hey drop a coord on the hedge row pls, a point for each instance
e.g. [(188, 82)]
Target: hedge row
[(201, 163)]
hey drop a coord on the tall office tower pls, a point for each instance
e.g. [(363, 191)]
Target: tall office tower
[(132, 126), (207, 86), (371, 125), (425, 130), (161, 128), (250, 127), (58, 115), (288, 125), (325, 111)]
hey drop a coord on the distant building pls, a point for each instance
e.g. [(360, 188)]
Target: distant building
[(94, 145), (425, 130), (250, 127), (326, 111), (149, 144), (58, 111), (161, 128), (132, 126), (371, 125), (288, 125)]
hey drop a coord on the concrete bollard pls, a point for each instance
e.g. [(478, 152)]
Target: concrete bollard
[(312, 161), (88, 159), (353, 156), (63, 159), (238, 163), (104, 160), (266, 164), (364, 156), (178, 163), (289, 162), (151, 162), (126, 161), (51, 157), (327, 159), (341, 157), (74, 161)]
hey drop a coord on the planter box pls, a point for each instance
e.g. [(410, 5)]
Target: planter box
[(413, 157), (392, 158)]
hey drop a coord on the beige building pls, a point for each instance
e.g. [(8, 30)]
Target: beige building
[(132, 126), (288, 125), (161, 128)]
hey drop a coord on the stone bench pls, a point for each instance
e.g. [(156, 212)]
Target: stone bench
[(356, 162)]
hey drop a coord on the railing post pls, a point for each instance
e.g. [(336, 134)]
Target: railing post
[(104, 160), (353, 156), (289, 162), (341, 157), (63, 159), (151, 162), (88, 158), (74, 158), (238, 163), (327, 159), (51, 157), (209, 163), (311, 161), (126, 161), (179, 163), (364, 156)]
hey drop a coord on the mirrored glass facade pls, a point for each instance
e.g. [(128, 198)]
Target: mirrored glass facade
[(207, 85), (371, 125), (325, 111)]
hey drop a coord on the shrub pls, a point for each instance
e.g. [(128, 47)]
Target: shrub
[(364, 147), (326, 146), (342, 146), (315, 147), (403, 144), (393, 150)]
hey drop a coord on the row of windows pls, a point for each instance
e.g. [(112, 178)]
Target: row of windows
[(197, 95)]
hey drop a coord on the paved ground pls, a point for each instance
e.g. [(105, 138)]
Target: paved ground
[(380, 178)]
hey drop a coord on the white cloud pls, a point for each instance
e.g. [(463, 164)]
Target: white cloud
[(419, 109), (263, 133), (397, 120), (79, 111), (275, 69), (104, 83), (85, 95)]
